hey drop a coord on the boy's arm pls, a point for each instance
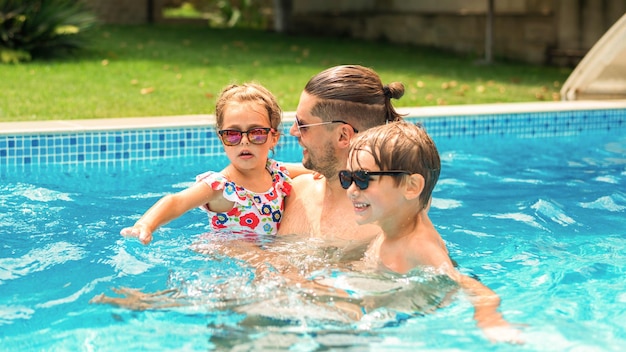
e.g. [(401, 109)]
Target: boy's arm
[(488, 318), (485, 301)]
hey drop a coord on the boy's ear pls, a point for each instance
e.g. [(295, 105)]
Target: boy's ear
[(414, 186)]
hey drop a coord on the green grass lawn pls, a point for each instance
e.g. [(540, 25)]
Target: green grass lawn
[(135, 71)]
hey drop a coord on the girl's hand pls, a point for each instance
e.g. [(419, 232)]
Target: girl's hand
[(139, 231)]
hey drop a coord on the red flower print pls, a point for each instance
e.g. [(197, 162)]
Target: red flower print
[(250, 220), (234, 212), (286, 188), (271, 195)]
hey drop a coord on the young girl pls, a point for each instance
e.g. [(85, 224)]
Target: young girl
[(392, 171), (246, 196)]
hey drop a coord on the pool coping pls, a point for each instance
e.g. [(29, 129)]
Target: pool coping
[(129, 123)]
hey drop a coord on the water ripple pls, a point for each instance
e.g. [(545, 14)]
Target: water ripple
[(441, 203), (39, 259), (521, 217), (553, 212), (40, 194), (608, 179), (10, 313), (76, 295), (606, 203), (474, 233)]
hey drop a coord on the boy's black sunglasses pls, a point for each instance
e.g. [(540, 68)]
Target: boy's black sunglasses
[(362, 177)]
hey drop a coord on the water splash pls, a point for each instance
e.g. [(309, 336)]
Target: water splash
[(40, 194), (126, 264)]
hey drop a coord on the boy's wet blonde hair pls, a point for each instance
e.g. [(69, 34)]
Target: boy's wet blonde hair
[(404, 146), (248, 92)]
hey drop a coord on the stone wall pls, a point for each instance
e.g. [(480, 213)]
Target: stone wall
[(535, 31), (556, 32), (124, 11)]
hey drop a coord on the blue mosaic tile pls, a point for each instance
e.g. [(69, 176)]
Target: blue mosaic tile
[(541, 124), (115, 147)]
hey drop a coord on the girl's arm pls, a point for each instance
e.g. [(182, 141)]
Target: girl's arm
[(169, 208)]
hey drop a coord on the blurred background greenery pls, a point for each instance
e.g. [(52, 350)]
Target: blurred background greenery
[(178, 69)]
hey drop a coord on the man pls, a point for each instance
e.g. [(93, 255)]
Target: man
[(335, 105)]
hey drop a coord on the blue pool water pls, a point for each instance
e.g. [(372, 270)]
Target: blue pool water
[(539, 220)]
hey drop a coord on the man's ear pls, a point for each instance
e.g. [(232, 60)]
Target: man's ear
[(346, 133), (414, 186)]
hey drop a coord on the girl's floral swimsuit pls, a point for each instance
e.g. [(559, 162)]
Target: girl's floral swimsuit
[(252, 212)]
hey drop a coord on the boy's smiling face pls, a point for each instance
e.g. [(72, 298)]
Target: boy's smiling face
[(382, 197)]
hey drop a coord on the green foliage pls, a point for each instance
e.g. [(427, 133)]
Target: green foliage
[(42, 28), (9, 56), (184, 10), (224, 13), (245, 13)]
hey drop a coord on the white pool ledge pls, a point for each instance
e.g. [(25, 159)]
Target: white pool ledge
[(116, 124)]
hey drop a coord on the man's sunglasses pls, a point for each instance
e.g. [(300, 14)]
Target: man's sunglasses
[(303, 127), (362, 178), (257, 135)]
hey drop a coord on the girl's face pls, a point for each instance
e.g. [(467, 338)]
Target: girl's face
[(245, 117), (381, 200)]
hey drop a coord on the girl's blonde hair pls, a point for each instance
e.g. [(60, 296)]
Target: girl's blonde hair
[(248, 92)]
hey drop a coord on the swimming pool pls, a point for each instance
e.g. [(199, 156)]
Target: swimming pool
[(533, 203)]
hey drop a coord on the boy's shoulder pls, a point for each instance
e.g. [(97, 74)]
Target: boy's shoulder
[(430, 250)]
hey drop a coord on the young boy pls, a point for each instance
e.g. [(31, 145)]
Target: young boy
[(392, 171)]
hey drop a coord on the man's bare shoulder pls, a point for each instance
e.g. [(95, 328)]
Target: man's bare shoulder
[(307, 184), (302, 210)]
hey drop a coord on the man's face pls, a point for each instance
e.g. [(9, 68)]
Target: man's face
[(316, 140)]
